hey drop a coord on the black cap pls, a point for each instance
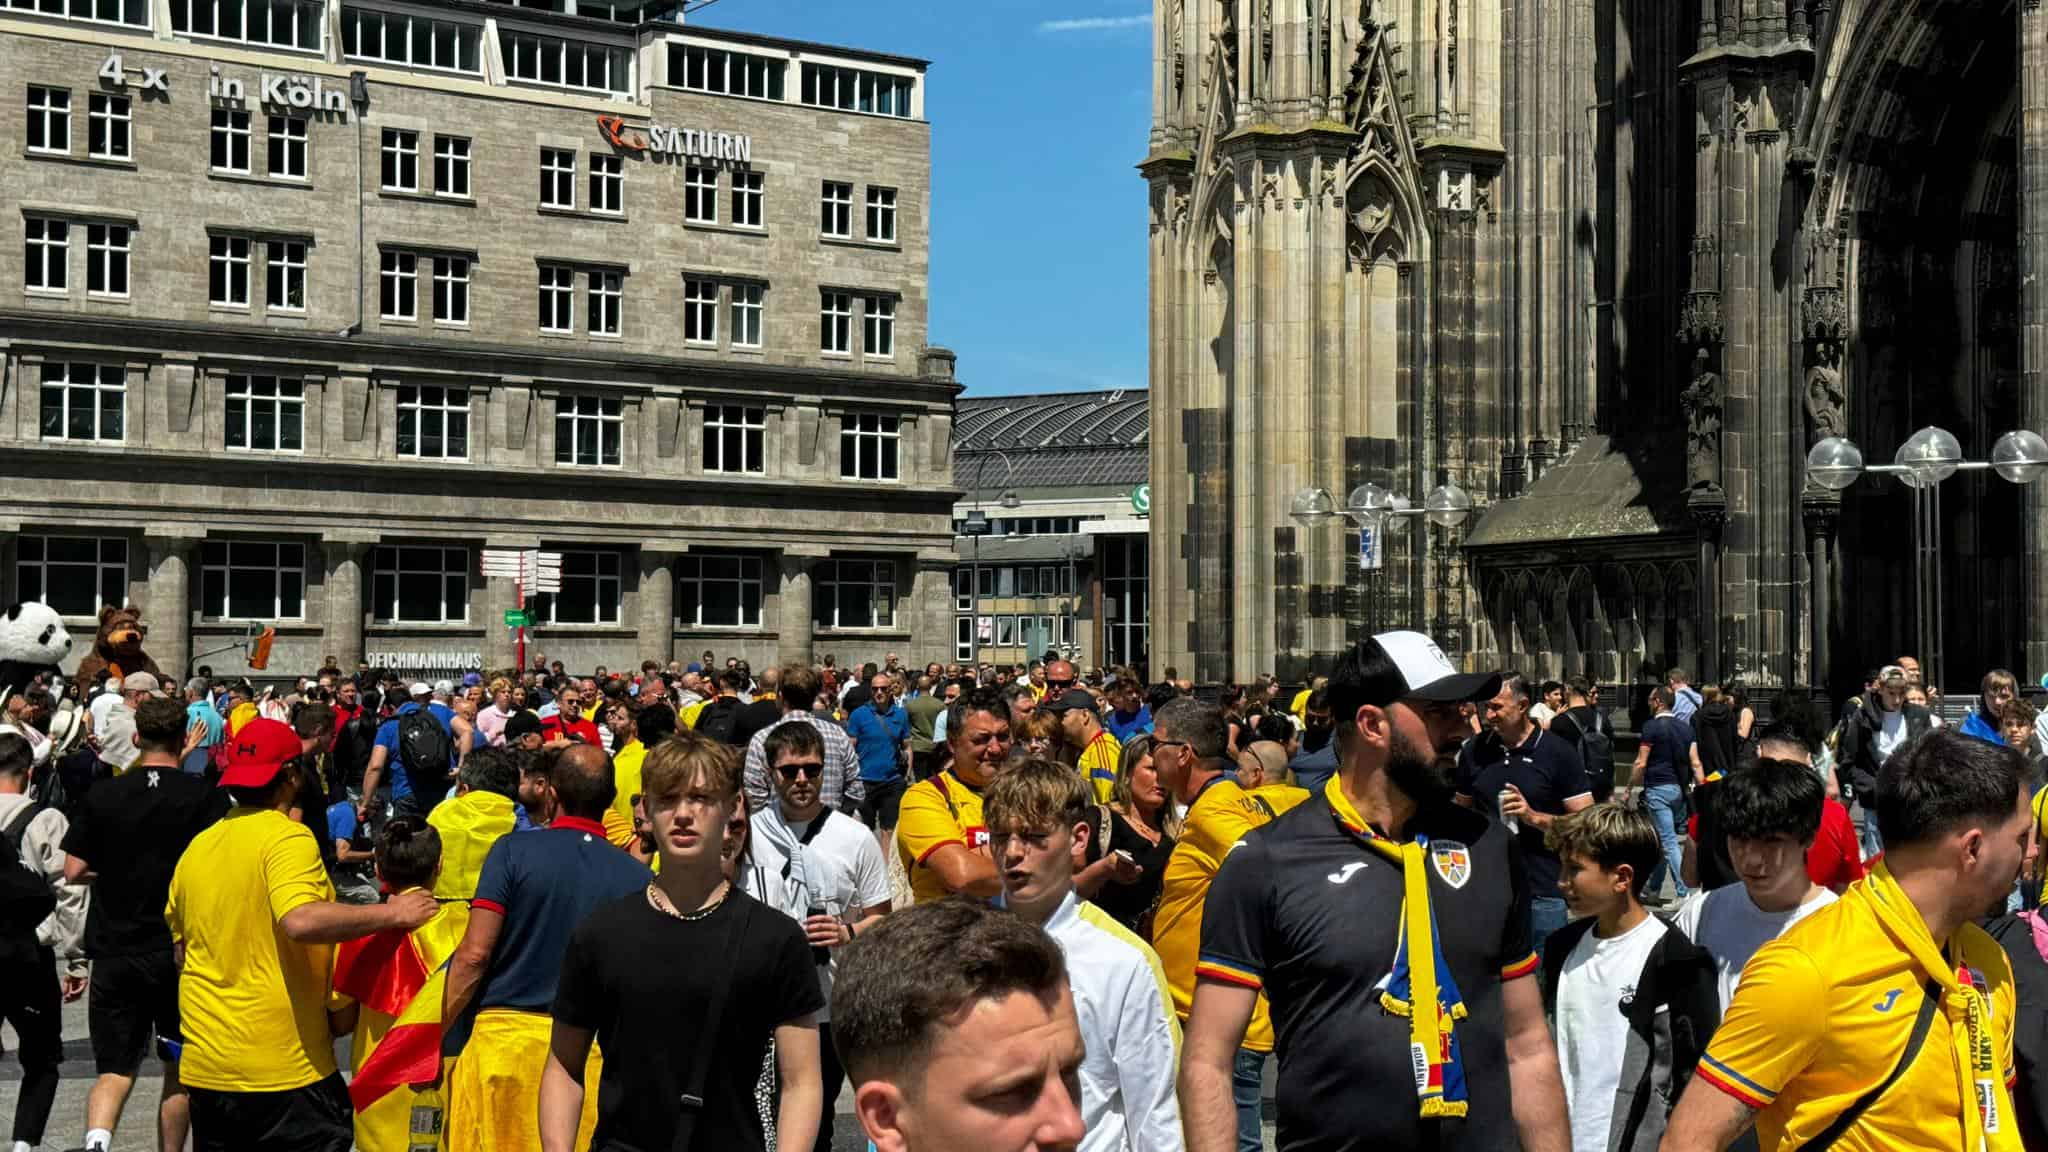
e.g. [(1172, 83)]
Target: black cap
[(1072, 698), (519, 724), (1416, 669)]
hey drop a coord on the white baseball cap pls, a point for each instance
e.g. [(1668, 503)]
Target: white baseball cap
[(420, 689), (1421, 671)]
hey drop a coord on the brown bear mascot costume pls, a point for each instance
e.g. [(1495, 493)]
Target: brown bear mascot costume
[(116, 651)]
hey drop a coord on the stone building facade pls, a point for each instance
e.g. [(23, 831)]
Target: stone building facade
[(312, 309), (1612, 268)]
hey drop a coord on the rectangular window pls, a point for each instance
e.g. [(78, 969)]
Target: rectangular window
[(878, 327), (451, 289), (557, 298), (557, 178), (284, 268), (265, 413), (724, 72), (75, 575), (227, 279), (868, 444), (398, 285), (608, 185), (607, 297), (47, 259), (433, 422), (746, 198), (700, 194), (109, 128), (835, 322), (986, 577), (1006, 582), (591, 591), (49, 119), (84, 402), (1027, 582), (399, 160), (700, 311), (1048, 584), (734, 438), (718, 591), (836, 209), (419, 41), (106, 259), (853, 90), (252, 580), (746, 315), (282, 23), (416, 585), (229, 149), (854, 594), (134, 12), (963, 588), (1006, 631), (288, 147), (451, 166), (1067, 581), (882, 214), (587, 431), (963, 638), (561, 63)]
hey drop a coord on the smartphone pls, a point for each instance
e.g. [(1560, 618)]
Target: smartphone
[(1124, 854)]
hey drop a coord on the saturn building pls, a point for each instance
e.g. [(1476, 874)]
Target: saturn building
[(314, 301)]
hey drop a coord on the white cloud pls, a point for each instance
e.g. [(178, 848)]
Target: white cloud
[(1094, 23)]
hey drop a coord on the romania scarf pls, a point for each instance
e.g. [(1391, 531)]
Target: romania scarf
[(1965, 1008), (1420, 985)]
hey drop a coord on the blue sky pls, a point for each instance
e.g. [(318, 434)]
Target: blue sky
[(1039, 112)]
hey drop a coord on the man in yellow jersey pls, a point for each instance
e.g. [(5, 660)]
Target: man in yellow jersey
[(1188, 752), (941, 837), (1036, 678), (628, 754), (251, 904), (1098, 751), (1387, 928), (1818, 1047), (1262, 771)]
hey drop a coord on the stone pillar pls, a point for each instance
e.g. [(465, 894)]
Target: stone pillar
[(931, 609), (1822, 513), (657, 605), (1710, 514), (167, 602), (793, 615), (346, 559), (2033, 49)]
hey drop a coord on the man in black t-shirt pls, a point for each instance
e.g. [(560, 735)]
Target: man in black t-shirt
[(1587, 729), (1525, 778), (1313, 910), (125, 840), (670, 1030)]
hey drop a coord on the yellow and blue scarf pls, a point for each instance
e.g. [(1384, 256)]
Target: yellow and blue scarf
[(1419, 975)]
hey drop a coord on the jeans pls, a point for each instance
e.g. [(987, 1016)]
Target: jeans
[(1873, 844), (1247, 1078), (1666, 804), (1546, 915)]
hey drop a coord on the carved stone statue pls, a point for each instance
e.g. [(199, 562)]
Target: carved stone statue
[(1702, 402), (1824, 397)]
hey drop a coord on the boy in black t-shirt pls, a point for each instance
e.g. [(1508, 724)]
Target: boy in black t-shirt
[(682, 985)]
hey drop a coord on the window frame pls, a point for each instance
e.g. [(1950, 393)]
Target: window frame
[(606, 412), (749, 312), (398, 160), (70, 573), (451, 273), (879, 434), (97, 388), (700, 194), (700, 311), (557, 181), (352, 25), (546, 607), (289, 144), (451, 163), (46, 253), (415, 404), (881, 214), (605, 303), (878, 328), (225, 567), (103, 256), (225, 265), (837, 573), (48, 112), (749, 198), (748, 586), (110, 116), (835, 209), (250, 400), (835, 322), (398, 283), (558, 300), (743, 424), (228, 132), (280, 272), (307, 16), (389, 572), (607, 185)]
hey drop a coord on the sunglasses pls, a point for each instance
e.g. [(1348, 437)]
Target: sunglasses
[(808, 769)]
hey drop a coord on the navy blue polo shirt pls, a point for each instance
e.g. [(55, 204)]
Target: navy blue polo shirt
[(1547, 771), (544, 884)]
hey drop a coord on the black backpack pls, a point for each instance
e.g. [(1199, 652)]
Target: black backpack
[(352, 750), (718, 717), (426, 751), (25, 899)]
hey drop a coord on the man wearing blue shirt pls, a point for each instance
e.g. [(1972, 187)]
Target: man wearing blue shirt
[(404, 800), (881, 730), (1128, 715)]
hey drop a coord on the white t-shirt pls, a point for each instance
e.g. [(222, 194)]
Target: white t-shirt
[(845, 872), (1729, 925), (1891, 732), (1593, 992)]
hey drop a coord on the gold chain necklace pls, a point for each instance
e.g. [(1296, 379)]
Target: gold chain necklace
[(661, 903)]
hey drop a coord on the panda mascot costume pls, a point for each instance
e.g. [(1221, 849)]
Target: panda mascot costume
[(32, 642)]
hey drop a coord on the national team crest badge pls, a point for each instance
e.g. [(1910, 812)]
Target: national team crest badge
[(1453, 861)]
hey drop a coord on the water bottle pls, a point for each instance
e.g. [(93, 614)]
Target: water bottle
[(424, 1134)]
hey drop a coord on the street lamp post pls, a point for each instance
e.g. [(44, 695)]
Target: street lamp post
[(977, 527), (1927, 458), (1375, 510)]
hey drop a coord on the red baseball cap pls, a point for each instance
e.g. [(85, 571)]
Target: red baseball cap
[(256, 751)]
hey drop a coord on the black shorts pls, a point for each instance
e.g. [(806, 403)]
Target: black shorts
[(884, 797), (132, 999), (316, 1118)]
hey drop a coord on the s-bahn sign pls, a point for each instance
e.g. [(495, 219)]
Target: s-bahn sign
[(658, 140)]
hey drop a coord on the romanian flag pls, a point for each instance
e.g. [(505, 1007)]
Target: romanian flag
[(396, 979), (469, 824)]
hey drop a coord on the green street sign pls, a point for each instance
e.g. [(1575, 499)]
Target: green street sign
[(1141, 499), (517, 618)]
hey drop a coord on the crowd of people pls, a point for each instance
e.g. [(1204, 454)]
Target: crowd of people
[(686, 906)]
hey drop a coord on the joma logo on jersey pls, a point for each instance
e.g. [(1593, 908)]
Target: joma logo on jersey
[(1452, 860)]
